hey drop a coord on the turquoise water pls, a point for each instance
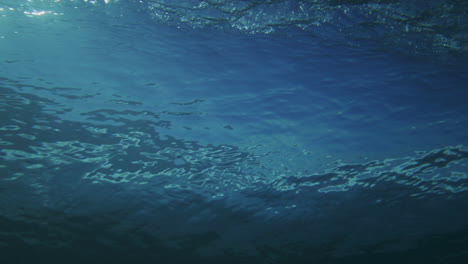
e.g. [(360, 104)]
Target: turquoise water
[(233, 131)]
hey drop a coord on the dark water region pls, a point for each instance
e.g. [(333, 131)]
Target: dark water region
[(233, 131)]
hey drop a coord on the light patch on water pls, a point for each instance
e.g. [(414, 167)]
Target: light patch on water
[(35, 166), (36, 13), (96, 130), (5, 143), (42, 127), (10, 128), (27, 136)]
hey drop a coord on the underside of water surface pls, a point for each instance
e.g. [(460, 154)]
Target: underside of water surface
[(278, 131)]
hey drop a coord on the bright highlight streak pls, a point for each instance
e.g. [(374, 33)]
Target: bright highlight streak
[(36, 13)]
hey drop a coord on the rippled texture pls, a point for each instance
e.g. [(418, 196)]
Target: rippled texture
[(233, 132), (417, 26)]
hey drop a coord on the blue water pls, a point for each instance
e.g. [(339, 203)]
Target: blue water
[(233, 131)]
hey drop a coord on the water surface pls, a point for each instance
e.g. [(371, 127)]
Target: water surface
[(233, 131)]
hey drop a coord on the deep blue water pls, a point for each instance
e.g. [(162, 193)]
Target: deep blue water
[(318, 131)]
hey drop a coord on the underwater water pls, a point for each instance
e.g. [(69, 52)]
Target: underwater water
[(221, 131)]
